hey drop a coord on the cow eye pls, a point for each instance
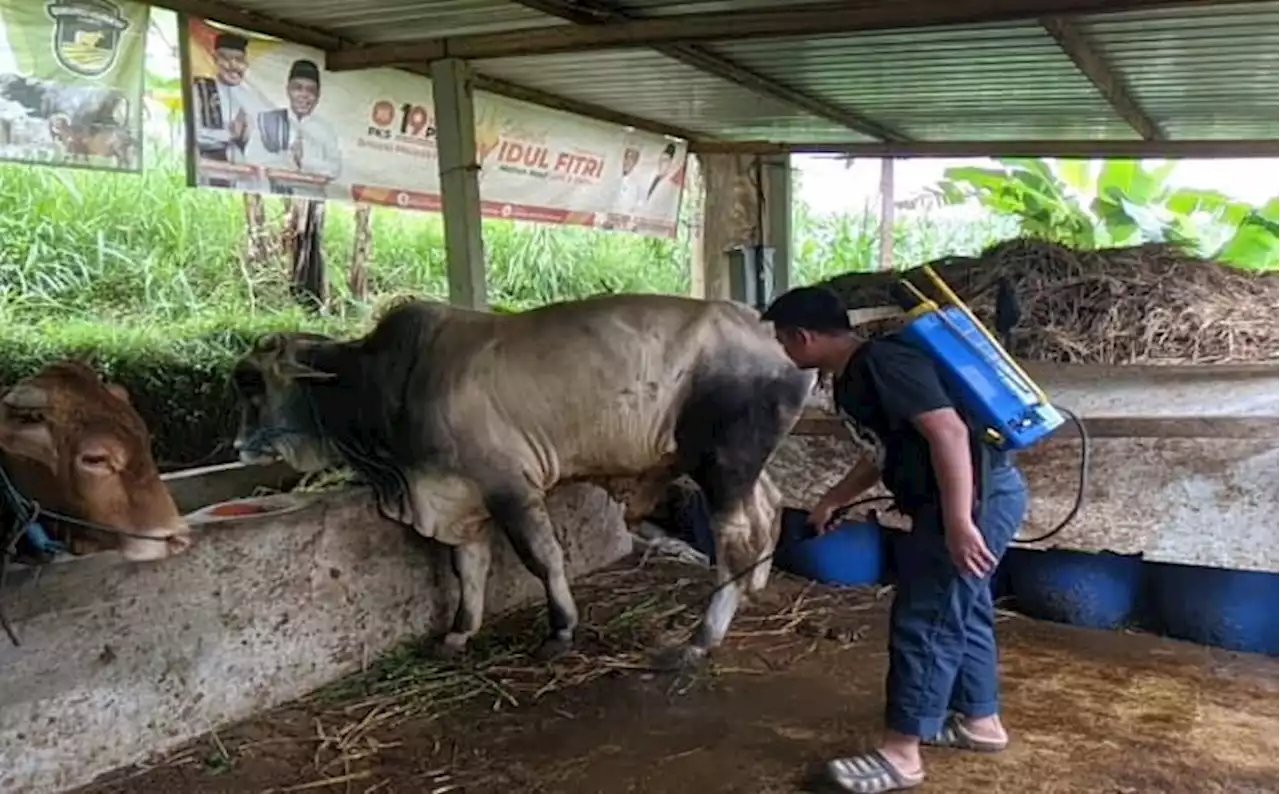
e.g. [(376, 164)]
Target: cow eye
[(248, 381)]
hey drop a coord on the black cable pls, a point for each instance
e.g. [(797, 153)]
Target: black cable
[(794, 542), (1081, 485)]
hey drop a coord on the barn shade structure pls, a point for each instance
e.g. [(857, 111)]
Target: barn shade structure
[(928, 77), (950, 78)]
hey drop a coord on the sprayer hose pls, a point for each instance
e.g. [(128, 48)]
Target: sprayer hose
[(1080, 485)]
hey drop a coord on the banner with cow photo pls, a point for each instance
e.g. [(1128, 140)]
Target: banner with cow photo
[(265, 117), (72, 74)]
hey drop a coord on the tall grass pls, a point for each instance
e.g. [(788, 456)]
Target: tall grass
[(124, 250)]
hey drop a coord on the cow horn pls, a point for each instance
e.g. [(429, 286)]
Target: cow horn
[(25, 397), (295, 370)]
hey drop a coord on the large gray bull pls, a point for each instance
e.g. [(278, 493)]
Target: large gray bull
[(455, 417)]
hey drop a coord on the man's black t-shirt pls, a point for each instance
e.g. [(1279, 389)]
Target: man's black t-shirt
[(887, 382)]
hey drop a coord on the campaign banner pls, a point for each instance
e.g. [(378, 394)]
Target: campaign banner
[(71, 82), (264, 116)]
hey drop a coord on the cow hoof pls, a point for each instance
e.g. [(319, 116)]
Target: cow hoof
[(448, 648), (679, 658), (553, 648)]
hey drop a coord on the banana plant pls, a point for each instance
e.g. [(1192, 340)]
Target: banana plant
[(1117, 203)]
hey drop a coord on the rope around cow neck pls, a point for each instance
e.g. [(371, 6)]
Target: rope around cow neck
[(25, 512)]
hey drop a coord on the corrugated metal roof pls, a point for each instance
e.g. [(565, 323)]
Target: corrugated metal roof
[(1196, 72), (368, 21), (984, 81), (647, 84)]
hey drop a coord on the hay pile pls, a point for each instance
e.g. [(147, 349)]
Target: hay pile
[(1149, 304)]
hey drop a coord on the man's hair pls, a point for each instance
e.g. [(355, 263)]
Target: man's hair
[(230, 41), (810, 308), (306, 70)]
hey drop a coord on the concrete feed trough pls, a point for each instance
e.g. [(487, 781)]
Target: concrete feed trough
[(120, 661)]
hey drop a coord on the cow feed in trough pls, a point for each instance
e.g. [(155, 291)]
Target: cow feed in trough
[(458, 417)]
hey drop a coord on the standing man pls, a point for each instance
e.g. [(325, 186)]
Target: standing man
[(966, 503), (225, 107), (295, 139)]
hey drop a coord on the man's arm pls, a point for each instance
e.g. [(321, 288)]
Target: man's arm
[(862, 476), (328, 161), (949, 453), (208, 139)]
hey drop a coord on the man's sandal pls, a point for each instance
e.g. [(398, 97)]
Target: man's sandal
[(871, 773), (955, 736)]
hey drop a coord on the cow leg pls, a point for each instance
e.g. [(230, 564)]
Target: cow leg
[(725, 436), (524, 519), (735, 555), (471, 566)]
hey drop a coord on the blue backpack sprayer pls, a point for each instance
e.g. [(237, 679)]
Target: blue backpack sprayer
[(1007, 409)]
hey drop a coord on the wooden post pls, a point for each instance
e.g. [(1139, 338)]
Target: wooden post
[(886, 214), (459, 182), (308, 283), (695, 184), (361, 249), (777, 220)]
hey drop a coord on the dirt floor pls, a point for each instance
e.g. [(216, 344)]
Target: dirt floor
[(800, 680)]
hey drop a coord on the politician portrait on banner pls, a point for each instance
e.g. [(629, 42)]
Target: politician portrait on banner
[(71, 82)]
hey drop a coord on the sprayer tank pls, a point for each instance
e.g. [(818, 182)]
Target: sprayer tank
[(992, 391)]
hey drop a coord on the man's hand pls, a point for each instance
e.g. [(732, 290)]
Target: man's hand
[(239, 128), (296, 151), (968, 550), (822, 514), (862, 476)]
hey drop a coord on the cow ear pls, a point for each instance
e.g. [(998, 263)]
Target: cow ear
[(119, 392), (270, 343)]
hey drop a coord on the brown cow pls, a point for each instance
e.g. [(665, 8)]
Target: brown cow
[(75, 445)]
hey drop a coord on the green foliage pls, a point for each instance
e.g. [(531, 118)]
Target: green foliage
[(1118, 203), (177, 374)]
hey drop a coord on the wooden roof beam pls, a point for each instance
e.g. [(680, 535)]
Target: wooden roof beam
[(1093, 66), (220, 12), (216, 11), (595, 12), (1064, 149), (809, 19)]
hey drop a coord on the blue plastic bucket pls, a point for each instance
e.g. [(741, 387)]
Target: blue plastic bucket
[(1098, 590), (1232, 609), (852, 553)]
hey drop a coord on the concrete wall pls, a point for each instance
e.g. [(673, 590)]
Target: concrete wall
[(120, 661)]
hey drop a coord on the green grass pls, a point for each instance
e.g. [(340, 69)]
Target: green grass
[(124, 250)]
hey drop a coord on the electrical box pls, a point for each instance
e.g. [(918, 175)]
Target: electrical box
[(751, 275)]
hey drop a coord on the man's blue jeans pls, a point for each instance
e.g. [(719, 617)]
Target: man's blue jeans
[(942, 643)]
